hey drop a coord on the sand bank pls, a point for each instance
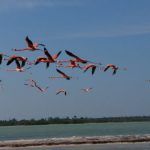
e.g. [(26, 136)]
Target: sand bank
[(76, 140)]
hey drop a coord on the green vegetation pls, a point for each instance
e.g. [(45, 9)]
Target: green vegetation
[(73, 120)]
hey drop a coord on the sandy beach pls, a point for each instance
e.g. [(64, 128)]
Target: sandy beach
[(76, 141)]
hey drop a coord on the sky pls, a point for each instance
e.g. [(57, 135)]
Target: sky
[(103, 31)]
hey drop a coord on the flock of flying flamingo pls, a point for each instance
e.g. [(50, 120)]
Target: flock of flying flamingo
[(74, 61)]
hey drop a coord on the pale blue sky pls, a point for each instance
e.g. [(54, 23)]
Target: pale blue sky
[(106, 31)]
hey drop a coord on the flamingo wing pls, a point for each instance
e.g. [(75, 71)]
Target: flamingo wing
[(106, 68), (39, 88), (63, 74), (29, 42), (23, 63), (71, 54), (39, 59), (76, 57), (37, 62), (23, 59), (56, 55), (93, 69), (65, 93), (10, 60), (58, 92), (48, 55), (34, 82), (17, 63), (1, 58), (47, 64), (114, 72), (86, 69), (90, 66)]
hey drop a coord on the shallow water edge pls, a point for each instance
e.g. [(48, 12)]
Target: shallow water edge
[(76, 141)]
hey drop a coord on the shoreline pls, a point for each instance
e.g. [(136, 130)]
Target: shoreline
[(68, 141)]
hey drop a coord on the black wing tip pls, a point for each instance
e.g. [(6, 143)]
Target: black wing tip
[(45, 49), (68, 52), (105, 69), (59, 52), (58, 70), (68, 78), (27, 37)]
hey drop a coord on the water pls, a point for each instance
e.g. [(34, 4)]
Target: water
[(78, 130), (69, 130)]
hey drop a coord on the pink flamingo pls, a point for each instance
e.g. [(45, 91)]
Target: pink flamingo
[(88, 66), (49, 59), (113, 67), (33, 83), (18, 58), (63, 75), (87, 89), (77, 59), (73, 64), (61, 91), (18, 68), (31, 46)]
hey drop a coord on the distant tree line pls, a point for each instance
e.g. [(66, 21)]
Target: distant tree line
[(73, 120)]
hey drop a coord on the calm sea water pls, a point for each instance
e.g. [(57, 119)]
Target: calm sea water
[(69, 130)]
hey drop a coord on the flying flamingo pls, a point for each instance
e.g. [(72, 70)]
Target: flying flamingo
[(63, 75), (92, 66), (113, 67), (18, 68), (73, 64), (87, 89), (18, 58), (31, 46), (77, 59), (49, 59), (33, 83), (61, 91)]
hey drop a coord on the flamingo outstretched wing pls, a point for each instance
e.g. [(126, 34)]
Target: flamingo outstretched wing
[(56, 55), (1, 58), (29, 42), (48, 55), (61, 91), (106, 68), (63, 74), (92, 66), (17, 63), (76, 57), (10, 60)]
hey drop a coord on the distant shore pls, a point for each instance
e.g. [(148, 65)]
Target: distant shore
[(74, 120), (76, 141)]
